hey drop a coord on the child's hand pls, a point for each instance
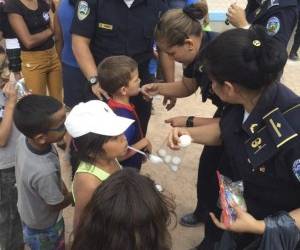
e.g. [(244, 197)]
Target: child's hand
[(237, 16), (177, 121), (147, 145), (10, 92), (244, 223)]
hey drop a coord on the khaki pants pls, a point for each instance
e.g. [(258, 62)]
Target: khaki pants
[(42, 71)]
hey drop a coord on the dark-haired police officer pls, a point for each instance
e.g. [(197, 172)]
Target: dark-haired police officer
[(116, 27), (279, 17)]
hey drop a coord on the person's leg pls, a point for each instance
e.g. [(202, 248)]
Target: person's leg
[(14, 59), (11, 236), (143, 108), (54, 81), (34, 70), (293, 54)]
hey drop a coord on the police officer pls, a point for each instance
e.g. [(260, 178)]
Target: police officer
[(116, 27), (259, 129), (279, 17)]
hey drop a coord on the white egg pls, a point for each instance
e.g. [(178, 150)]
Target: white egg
[(155, 159), (176, 160), (184, 141), (174, 167), (167, 158), (162, 152)]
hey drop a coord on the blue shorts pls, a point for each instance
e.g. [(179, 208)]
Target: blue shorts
[(51, 238), (11, 236)]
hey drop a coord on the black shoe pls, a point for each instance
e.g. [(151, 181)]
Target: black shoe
[(294, 57), (190, 220)]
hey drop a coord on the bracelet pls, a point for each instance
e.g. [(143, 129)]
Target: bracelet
[(190, 121)]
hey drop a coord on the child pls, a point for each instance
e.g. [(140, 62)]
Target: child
[(126, 212), (98, 141), (119, 77), (11, 236), (41, 192)]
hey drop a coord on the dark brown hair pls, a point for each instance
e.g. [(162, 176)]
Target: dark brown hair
[(115, 72), (176, 25), (126, 212)]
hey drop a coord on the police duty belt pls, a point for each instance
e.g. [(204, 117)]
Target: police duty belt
[(278, 129)]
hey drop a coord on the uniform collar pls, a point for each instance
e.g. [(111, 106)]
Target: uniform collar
[(115, 104), (263, 106)]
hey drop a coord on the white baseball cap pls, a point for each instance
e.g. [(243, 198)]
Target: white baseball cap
[(95, 117)]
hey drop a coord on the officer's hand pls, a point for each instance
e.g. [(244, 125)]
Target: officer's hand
[(173, 138), (169, 102), (99, 92), (150, 90), (10, 92), (244, 223), (178, 121), (237, 16)]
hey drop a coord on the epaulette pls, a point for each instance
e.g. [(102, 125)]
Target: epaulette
[(278, 129)]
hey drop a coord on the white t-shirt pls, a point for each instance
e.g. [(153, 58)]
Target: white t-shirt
[(129, 2), (246, 115)]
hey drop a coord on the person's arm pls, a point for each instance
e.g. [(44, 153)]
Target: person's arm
[(209, 134), (29, 40), (84, 187), (180, 121), (68, 199), (7, 119), (59, 41), (183, 88)]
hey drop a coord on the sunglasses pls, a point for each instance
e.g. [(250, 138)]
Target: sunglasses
[(60, 128)]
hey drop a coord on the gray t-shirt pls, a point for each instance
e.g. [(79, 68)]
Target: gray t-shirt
[(39, 185), (8, 153)]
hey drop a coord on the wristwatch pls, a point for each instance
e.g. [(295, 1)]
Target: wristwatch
[(190, 121), (92, 80)]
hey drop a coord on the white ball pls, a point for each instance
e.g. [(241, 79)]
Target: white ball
[(184, 141), (162, 152), (167, 158), (176, 160), (174, 167)]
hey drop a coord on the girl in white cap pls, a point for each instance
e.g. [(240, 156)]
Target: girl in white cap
[(98, 141)]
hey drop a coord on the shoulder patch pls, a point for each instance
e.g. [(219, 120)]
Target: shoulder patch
[(273, 26), (296, 169), (83, 10)]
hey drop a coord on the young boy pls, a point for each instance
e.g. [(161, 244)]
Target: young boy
[(11, 236), (119, 77), (41, 192)]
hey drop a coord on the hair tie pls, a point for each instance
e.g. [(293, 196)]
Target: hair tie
[(256, 43)]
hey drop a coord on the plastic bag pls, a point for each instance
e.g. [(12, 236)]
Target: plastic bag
[(230, 193)]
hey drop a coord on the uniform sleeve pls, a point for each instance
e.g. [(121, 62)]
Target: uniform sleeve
[(49, 189), (281, 24), (85, 18)]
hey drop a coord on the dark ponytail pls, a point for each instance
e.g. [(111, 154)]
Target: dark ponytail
[(250, 58), (176, 25)]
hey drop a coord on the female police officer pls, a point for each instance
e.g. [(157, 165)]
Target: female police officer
[(279, 17), (116, 27), (259, 128), (180, 35)]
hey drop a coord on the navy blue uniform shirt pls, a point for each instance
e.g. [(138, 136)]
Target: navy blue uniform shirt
[(115, 29), (275, 184), (279, 17)]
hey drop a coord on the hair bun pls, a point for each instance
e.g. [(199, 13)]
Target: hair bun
[(196, 11)]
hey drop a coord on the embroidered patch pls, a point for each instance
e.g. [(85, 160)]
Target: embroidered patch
[(273, 26), (46, 16), (296, 169), (105, 26), (83, 10)]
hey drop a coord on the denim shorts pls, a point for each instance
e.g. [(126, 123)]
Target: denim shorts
[(11, 236), (51, 238)]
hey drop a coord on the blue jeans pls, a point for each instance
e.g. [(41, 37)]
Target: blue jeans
[(11, 236)]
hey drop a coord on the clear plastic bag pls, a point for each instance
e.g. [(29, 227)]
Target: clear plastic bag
[(230, 193)]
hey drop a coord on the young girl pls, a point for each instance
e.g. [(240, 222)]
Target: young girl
[(125, 213), (98, 141)]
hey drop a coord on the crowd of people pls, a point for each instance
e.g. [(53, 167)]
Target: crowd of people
[(88, 71)]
